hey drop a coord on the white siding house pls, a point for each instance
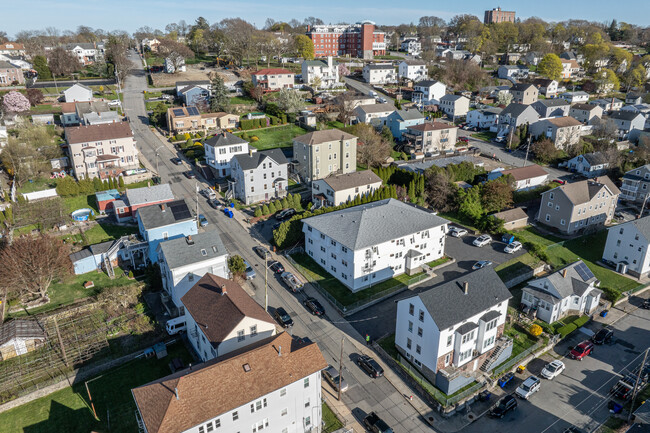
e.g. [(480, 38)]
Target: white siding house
[(221, 148), (78, 93), (483, 118), (627, 245), (327, 71), (427, 91), (454, 106), (336, 190), (379, 74), (260, 176), (413, 70)]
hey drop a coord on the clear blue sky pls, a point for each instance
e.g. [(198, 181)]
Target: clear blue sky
[(131, 14)]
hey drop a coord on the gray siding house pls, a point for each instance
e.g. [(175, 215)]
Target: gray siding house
[(552, 107), (260, 176)]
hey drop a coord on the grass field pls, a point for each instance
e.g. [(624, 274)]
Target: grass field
[(243, 100), (278, 136), (330, 421), (45, 108), (101, 233), (69, 410), (38, 184), (485, 136)]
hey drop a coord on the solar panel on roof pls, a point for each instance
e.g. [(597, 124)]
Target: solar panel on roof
[(192, 111), (584, 272), (180, 211), (178, 112)]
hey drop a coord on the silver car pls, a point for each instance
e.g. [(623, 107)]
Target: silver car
[(250, 272), (332, 376), (482, 241)]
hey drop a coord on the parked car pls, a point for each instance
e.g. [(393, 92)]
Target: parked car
[(370, 366), (553, 369), (250, 272), (463, 139), (505, 405), (285, 214), (261, 251), (282, 317), (512, 247), (331, 375), (603, 336), (114, 103), (177, 161), (560, 181), (529, 387), (457, 232), (481, 264), (209, 193), (277, 267), (292, 281), (314, 306), (203, 221), (214, 203), (482, 241), (190, 175), (500, 139), (582, 350), (375, 424), (646, 304)]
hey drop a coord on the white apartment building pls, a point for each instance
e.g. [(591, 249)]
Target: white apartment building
[(321, 153), (275, 386), (414, 70), (627, 245), (411, 46), (102, 151), (367, 244), (221, 148), (327, 71), (260, 176), (273, 79), (221, 317), (428, 91), (455, 328), (336, 190), (183, 261), (379, 74), (374, 114)]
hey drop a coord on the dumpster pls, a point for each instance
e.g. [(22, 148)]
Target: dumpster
[(521, 369)]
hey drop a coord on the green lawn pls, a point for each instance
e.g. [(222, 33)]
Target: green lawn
[(102, 232), (529, 234), (149, 106), (389, 57), (330, 421), (38, 184), (45, 108), (521, 339), (485, 135), (335, 288), (69, 410), (273, 137), (243, 100), (79, 202), (438, 262), (154, 60)]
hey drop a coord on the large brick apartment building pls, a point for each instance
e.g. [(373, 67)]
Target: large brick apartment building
[(358, 40), (496, 15)]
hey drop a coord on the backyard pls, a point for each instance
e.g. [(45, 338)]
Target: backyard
[(100, 232), (276, 136)]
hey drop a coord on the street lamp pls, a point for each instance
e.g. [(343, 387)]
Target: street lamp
[(158, 158)]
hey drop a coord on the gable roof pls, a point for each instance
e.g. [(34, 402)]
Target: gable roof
[(200, 400), (521, 87), (595, 158), (414, 62), (78, 85), (6, 65), (585, 190), (412, 114), (515, 109), (149, 194), (564, 122), (352, 180), (451, 97), (218, 306), (624, 115), (376, 108), (427, 83), (374, 223), (192, 249), (528, 172), (511, 215), (379, 66), (318, 137), (12, 46), (432, 126), (91, 133), (583, 106), (255, 159), (84, 107), (568, 281), (19, 328), (543, 82), (555, 102), (512, 67), (319, 63), (224, 139), (272, 71), (448, 304), (164, 214)]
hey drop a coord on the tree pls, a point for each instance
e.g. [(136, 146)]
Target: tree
[(504, 98), (289, 101), (30, 265), (606, 81), (116, 55), (220, 99), (496, 195), (470, 206), (544, 150), (41, 68), (304, 46), (551, 67), (535, 330), (236, 266), (15, 102), (258, 212), (605, 131), (62, 62), (372, 149), (237, 38), (344, 104), (35, 96), (175, 52), (635, 77)]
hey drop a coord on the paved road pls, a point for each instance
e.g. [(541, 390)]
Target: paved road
[(99, 82), (364, 394)]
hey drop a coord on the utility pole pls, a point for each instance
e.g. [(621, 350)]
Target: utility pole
[(341, 368), (636, 384), (266, 282), (197, 202), (527, 149)]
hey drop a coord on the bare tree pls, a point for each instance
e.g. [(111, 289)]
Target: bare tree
[(116, 55), (344, 104), (176, 52), (239, 39), (62, 62), (372, 149)]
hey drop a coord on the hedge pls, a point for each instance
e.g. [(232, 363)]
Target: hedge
[(567, 329)]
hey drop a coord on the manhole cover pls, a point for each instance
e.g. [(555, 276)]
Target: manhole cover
[(471, 417)]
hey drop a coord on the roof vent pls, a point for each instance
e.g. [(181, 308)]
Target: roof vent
[(279, 350), (224, 291), (176, 392), (190, 241), (162, 207), (465, 287), (247, 368)]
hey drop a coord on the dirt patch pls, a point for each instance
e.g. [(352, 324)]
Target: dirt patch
[(193, 73)]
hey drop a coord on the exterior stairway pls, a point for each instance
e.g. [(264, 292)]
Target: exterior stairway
[(502, 344)]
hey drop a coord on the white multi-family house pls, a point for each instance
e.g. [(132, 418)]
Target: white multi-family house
[(513, 71), (564, 132), (78, 93), (364, 245), (86, 53), (528, 177), (589, 165), (379, 74), (575, 97), (515, 115), (570, 69), (483, 118), (428, 91), (571, 290), (374, 114), (628, 124), (327, 71), (636, 184), (546, 87), (628, 245), (221, 148), (606, 104), (454, 106), (431, 137), (586, 113), (411, 46), (273, 79), (260, 176), (414, 70), (556, 107), (183, 261), (274, 386), (451, 330), (221, 317), (336, 190)]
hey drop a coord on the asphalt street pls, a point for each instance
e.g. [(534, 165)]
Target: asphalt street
[(364, 394)]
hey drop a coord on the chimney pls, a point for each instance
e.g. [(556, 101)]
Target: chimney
[(176, 392), (224, 134), (564, 273), (224, 291), (162, 207), (250, 152), (465, 287), (189, 240)]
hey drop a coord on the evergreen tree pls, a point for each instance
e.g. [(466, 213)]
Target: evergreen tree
[(284, 203), (2, 218), (258, 212), (9, 215), (265, 210), (220, 96), (97, 184), (272, 208), (105, 182), (121, 181)]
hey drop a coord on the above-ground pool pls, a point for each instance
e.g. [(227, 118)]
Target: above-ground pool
[(82, 214)]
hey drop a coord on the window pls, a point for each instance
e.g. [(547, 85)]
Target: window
[(283, 392), (449, 339), (447, 359), (284, 412), (307, 421), (307, 402), (418, 349), (410, 326), (253, 330), (306, 382), (235, 416), (240, 335), (411, 309), (419, 332), (548, 217), (408, 343), (468, 337), (421, 316), (491, 325)]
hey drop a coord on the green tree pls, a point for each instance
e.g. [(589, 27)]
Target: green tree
[(40, 66), (284, 203), (121, 181), (258, 212), (304, 46), (105, 183), (236, 266), (272, 208), (606, 81), (551, 67), (470, 203), (297, 201), (545, 151), (97, 184), (220, 99), (9, 215), (387, 135), (265, 210), (289, 101), (496, 195), (159, 115)]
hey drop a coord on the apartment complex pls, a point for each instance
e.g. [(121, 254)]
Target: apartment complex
[(101, 150), (496, 15), (358, 40), (188, 119), (321, 153), (431, 137)]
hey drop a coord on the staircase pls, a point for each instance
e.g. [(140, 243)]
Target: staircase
[(109, 267), (502, 344)]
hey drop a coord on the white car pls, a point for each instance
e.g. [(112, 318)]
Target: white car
[(528, 388), (482, 241), (209, 193), (553, 369), (457, 232), (513, 247), (114, 103)]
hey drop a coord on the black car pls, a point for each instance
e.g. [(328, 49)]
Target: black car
[(261, 251), (190, 175), (603, 336), (214, 203), (314, 306), (283, 317), (276, 226), (277, 267), (285, 214), (370, 366), (177, 161), (375, 424), (505, 405), (646, 304)]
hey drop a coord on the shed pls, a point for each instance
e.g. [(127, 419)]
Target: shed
[(160, 349), (18, 337), (513, 218)]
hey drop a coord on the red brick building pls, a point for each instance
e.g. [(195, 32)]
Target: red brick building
[(496, 15), (358, 40)]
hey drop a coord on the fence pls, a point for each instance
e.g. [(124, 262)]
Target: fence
[(513, 361)]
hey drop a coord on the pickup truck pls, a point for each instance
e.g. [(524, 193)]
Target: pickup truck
[(375, 424), (290, 280)]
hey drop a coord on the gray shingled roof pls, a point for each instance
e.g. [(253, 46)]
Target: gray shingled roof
[(515, 109), (6, 65), (249, 162), (149, 194), (521, 87), (374, 223), (380, 66), (450, 97), (412, 114), (624, 115), (203, 246), (20, 329), (570, 285), (426, 83), (318, 137), (352, 180), (100, 248), (376, 108), (80, 255), (174, 212), (448, 304), (556, 102), (224, 139), (595, 158)]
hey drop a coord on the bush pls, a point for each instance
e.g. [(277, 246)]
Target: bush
[(272, 208), (265, 210), (245, 136), (255, 138), (130, 274), (186, 136), (581, 321), (179, 137), (258, 212), (284, 203), (567, 329), (247, 124), (535, 330), (611, 295)]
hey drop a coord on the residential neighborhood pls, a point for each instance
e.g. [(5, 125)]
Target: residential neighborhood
[(344, 219)]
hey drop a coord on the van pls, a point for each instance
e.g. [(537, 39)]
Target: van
[(174, 326)]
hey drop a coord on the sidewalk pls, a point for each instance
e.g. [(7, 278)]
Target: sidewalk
[(341, 410)]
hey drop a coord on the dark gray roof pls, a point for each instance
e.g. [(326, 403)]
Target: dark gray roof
[(595, 158), (352, 180), (411, 114), (490, 315), (376, 108), (448, 304), (100, 248), (149, 194), (450, 97), (374, 223), (514, 109), (225, 139), (197, 248), (380, 66), (521, 87), (20, 329), (556, 102), (466, 328), (624, 115), (520, 67), (490, 110), (571, 284), (164, 214), (254, 160), (80, 255), (583, 106), (426, 83)]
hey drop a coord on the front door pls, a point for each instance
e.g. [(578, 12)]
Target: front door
[(266, 196)]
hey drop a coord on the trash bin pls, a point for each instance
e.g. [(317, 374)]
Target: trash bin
[(604, 313)]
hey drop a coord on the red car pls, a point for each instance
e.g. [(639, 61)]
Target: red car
[(582, 350), (464, 139), (560, 181)]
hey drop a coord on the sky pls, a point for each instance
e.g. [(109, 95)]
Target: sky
[(131, 14)]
